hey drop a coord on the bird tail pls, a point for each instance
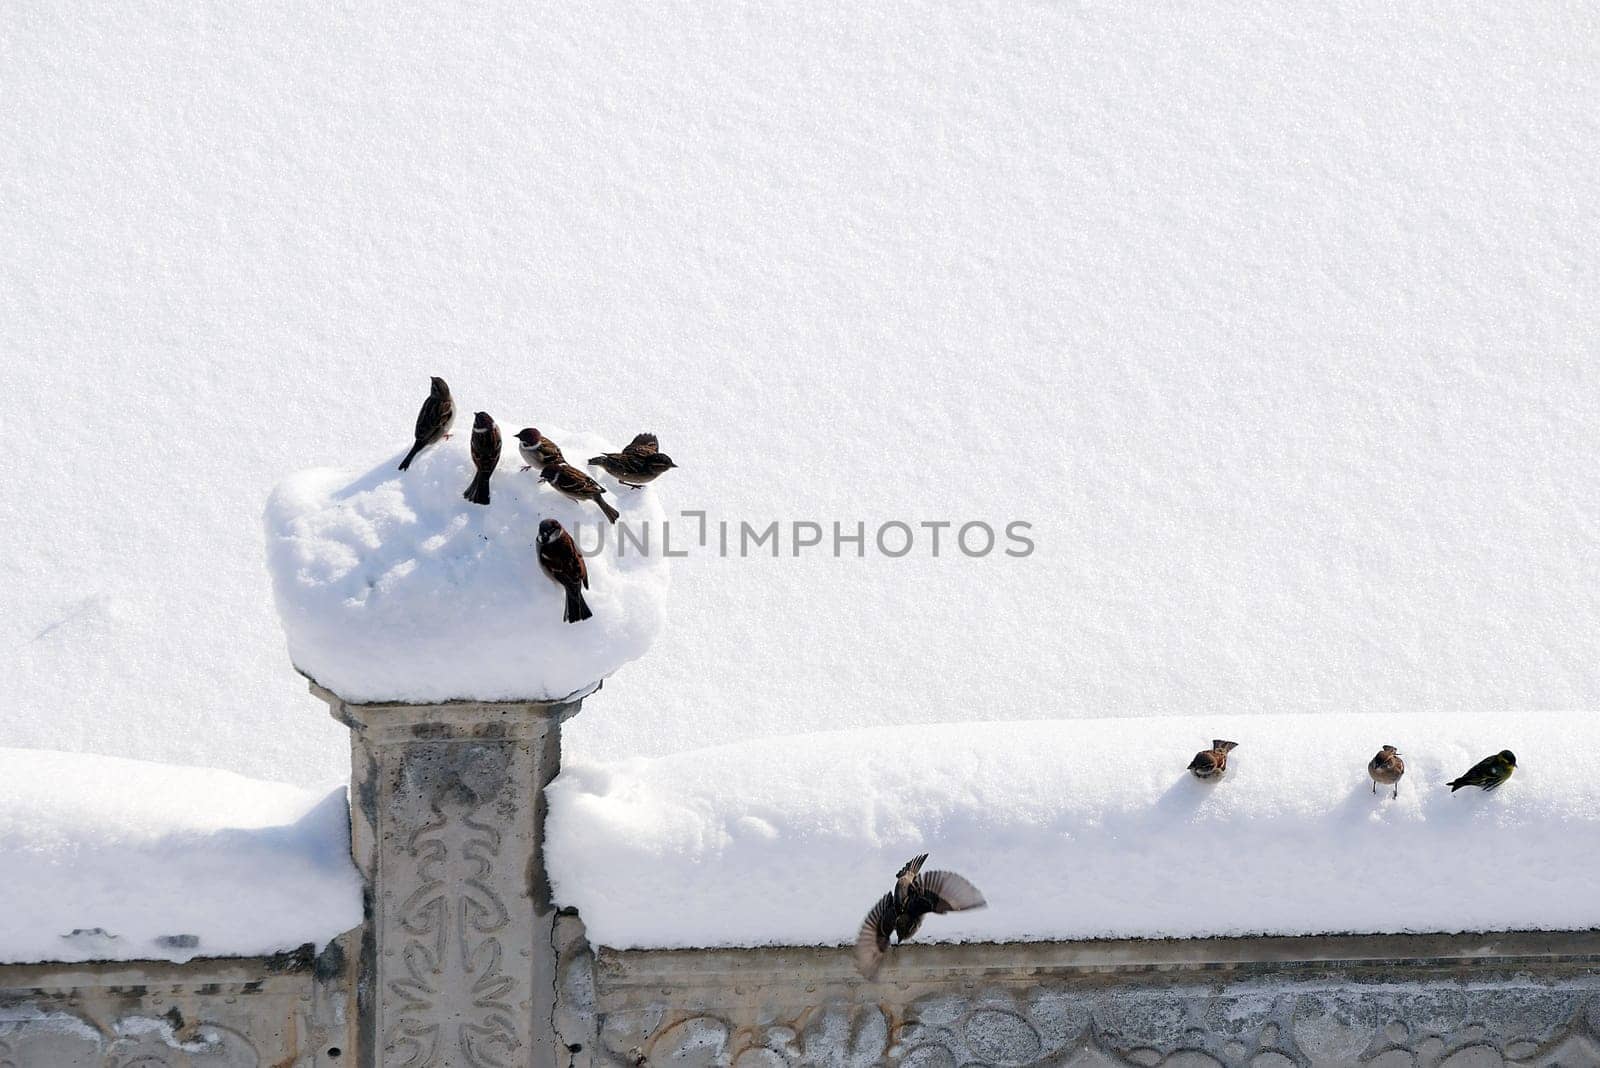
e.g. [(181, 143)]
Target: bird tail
[(478, 491), (1225, 746), (577, 608), (1457, 784), (611, 513), (412, 455)]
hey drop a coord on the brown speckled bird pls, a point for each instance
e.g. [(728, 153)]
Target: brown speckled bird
[(640, 462), (433, 421), (1387, 767), (572, 483), (485, 455), (538, 451), (899, 912), (559, 557), (1211, 763)]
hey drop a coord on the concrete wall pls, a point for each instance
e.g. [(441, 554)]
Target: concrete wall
[(1459, 1001), (296, 1009), (463, 962)]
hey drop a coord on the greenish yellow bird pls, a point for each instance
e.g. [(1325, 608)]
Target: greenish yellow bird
[(1489, 773)]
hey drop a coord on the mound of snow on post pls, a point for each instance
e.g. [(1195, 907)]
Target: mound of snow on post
[(150, 861), (392, 587), (1087, 828)]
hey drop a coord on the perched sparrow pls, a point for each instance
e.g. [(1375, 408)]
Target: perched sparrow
[(566, 567), (538, 450), (1489, 773), (571, 482), (433, 421), (915, 894), (1387, 767), (1211, 763), (641, 462), (485, 454)]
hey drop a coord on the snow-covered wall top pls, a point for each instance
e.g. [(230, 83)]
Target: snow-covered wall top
[(392, 587), (109, 859), (1088, 828)]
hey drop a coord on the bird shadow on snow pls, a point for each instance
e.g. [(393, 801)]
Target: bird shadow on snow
[(1361, 804), (1184, 796), (370, 480)]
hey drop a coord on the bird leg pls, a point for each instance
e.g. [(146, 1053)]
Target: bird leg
[(527, 467), (1374, 785), (1396, 791)]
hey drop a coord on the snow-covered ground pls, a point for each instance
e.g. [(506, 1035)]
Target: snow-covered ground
[(1278, 323), (108, 859), (392, 588), (1088, 828)]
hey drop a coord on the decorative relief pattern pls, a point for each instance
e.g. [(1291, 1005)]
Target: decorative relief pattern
[(1418, 1026), (453, 1000), (62, 1040)]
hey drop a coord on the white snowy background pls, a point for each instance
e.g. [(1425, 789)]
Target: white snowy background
[(1280, 326)]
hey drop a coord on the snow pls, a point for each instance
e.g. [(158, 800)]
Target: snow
[(110, 859), (1087, 828), (1278, 324), (391, 587)]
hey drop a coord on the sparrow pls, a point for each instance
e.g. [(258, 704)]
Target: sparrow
[(640, 462), (916, 893), (1489, 773), (538, 450), (1211, 763), (1387, 767), (485, 454), (571, 482), (559, 557), (433, 421)]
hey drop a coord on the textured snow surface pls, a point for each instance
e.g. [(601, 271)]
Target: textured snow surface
[(1277, 321), (1087, 828), (132, 856), (391, 587)]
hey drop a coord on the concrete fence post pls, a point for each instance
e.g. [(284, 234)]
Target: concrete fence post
[(458, 965)]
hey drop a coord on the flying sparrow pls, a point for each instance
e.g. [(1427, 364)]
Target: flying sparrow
[(1387, 767), (640, 462), (559, 557), (571, 482), (1211, 763), (485, 454), (916, 893), (433, 421), (1490, 773), (537, 450)]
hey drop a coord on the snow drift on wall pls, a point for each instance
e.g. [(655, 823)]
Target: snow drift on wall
[(109, 859), (1087, 828), (391, 587)]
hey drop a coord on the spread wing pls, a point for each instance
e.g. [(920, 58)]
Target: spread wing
[(872, 941), (643, 444), (949, 891), (912, 866)]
